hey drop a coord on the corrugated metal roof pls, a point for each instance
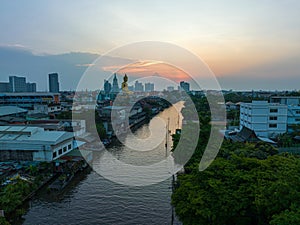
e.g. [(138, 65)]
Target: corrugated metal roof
[(29, 134), (9, 110)]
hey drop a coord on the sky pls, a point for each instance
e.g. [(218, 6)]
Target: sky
[(241, 41)]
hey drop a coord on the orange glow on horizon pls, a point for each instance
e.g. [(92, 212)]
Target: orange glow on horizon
[(151, 68)]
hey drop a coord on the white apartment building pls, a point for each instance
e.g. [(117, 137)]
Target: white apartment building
[(293, 105), (265, 119)]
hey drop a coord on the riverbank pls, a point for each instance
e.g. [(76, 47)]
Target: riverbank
[(22, 184)]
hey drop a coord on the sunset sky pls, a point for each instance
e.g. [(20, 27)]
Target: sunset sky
[(241, 41)]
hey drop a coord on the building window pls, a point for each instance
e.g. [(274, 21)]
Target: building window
[(65, 149), (69, 146), (273, 110), (60, 151), (297, 119), (298, 112), (54, 155), (273, 125), (273, 118)]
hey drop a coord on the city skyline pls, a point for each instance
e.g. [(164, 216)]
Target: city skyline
[(242, 42)]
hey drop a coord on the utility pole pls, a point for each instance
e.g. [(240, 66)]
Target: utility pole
[(167, 136)]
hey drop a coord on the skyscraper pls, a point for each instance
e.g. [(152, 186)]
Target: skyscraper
[(4, 87), (53, 83), (149, 87), (185, 86), (138, 86), (31, 87), (107, 87), (17, 84), (115, 86)]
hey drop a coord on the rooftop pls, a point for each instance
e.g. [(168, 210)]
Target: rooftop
[(29, 134), (27, 94), (9, 110), (296, 97)]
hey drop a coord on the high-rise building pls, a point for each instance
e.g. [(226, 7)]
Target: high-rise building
[(17, 84), (53, 83), (107, 87), (31, 87), (185, 86), (138, 86), (4, 87), (149, 87), (115, 86)]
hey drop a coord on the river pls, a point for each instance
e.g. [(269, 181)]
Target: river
[(93, 199)]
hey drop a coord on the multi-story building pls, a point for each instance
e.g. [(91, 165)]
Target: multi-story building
[(265, 119), (53, 83), (17, 84), (149, 87), (286, 100), (185, 86), (30, 87), (45, 109), (34, 143), (107, 87), (4, 87), (293, 105), (28, 100), (138, 86)]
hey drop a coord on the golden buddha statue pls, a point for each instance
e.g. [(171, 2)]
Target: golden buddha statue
[(124, 84)]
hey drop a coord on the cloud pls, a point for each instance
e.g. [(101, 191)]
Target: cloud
[(149, 68), (85, 65)]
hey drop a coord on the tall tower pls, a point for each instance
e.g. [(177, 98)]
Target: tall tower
[(17, 84), (185, 86), (115, 86), (53, 83), (107, 87)]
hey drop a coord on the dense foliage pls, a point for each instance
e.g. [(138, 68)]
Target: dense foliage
[(12, 195), (248, 183)]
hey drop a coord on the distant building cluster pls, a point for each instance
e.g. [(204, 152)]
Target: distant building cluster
[(17, 84), (110, 90), (18, 92)]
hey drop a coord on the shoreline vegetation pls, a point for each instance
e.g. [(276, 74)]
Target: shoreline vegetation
[(248, 183), (21, 187), (26, 184)]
